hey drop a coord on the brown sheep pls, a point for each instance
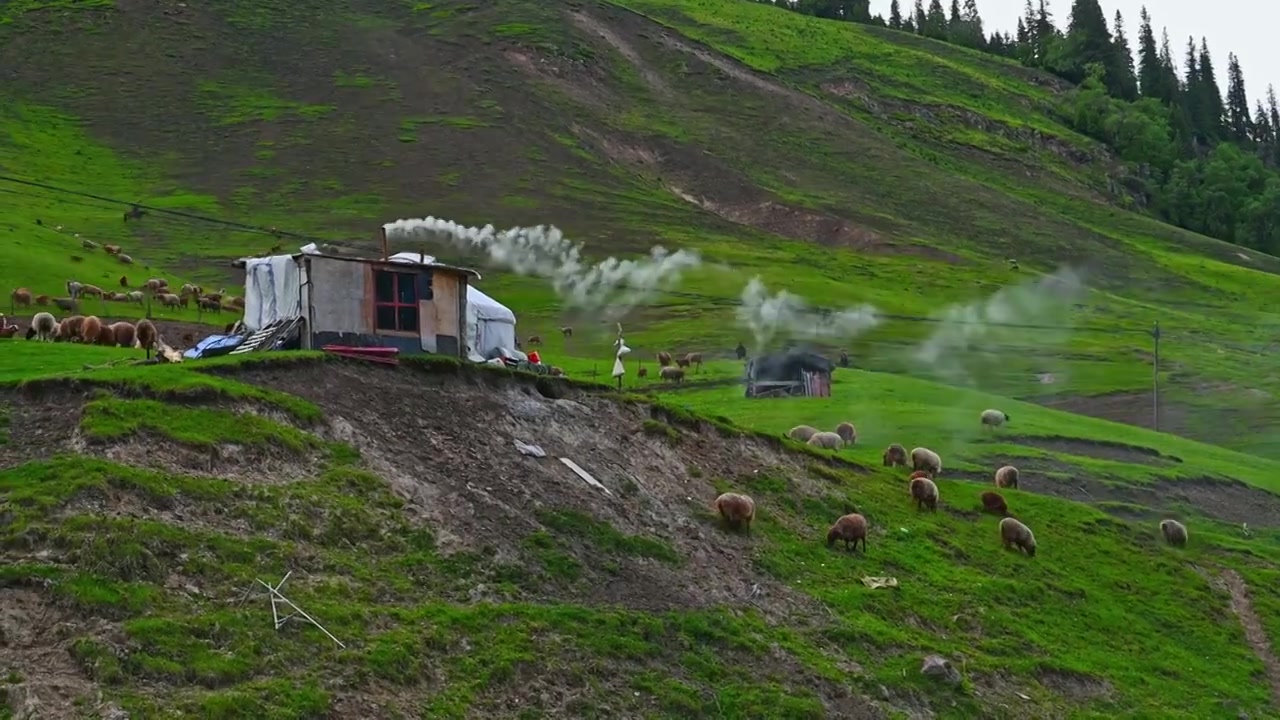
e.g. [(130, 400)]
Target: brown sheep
[(737, 510), (145, 336), (556, 371), (926, 459), (827, 440), (106, 336), (69, 328), (672, 373), (112, 249), (919, 474), (694, 359), (43, 300), (206, 303), (682, 361), (169, 299), (123, 332), (993, 502), (534, 340), (567, 332), (89, 329), (124, 281), (20, 297), (90, 291), (642, 372), (664, 359), (1007, 477), (850, 528), (1013, 532), (925, 493), (895, 455), (802, 433), (847, 432), (124, 259), (1175, 533)]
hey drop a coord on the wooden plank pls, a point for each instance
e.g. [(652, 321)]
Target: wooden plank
[(585, 475)]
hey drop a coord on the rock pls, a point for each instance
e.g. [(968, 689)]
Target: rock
[(940, 668)]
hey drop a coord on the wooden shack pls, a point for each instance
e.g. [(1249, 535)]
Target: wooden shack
[(787, 374)]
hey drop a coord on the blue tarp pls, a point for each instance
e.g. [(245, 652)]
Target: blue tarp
[(213, 346)]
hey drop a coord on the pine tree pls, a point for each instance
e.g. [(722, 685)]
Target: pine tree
[(1089, 43), (1263, 133), (1151, 74), (1045, 33), (953, 20), (935, 22), (1210, 96), (1239, 120), (1126, 77), (977, 34), (895, 15), (921, 22)]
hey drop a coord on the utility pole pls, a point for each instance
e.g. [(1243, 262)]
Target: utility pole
[(1155, 378)]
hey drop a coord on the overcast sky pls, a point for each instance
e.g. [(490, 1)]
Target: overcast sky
[(1244, 27)]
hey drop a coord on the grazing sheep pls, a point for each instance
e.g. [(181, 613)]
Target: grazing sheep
[(90, 291), (124, 259), (136, 296), (850, 528), (73, 288), (65, 304), (154, 285), (918, 474), (993, 502), (169, 299), (145, 336), (1013, 532), (642, 372), (106, 336), (925, 493), (43, 300), (828, 440), (895, 455), (89, 329), (43, 326), (206, 303), (923, 458), (69, 329), (124, 333), (1007, 477), (124, 281), (112, 249), (189, 289), (994, 418), (694, 359), (847, 432), (20, 297), (737, 510), (88, 244), (672, 373), (8, 331), (664, 359), (683, 361), (567, 332), (1175, 533), (534, 340), (801, 433)]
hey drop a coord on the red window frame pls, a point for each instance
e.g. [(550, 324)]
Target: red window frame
[(395, 304)]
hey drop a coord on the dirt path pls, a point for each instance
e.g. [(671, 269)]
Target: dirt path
[(1253, 630)]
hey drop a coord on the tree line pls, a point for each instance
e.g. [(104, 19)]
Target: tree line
[(1206, 161)]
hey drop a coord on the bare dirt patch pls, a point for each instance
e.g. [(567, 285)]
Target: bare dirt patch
[(1122, 407), (35, 641), (1254, 632), (1102, 450), (39, 429), (595, 26), (1074, 686)]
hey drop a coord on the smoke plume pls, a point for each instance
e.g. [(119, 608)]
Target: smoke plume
[(544, 251), (787, 315), (974, 335)]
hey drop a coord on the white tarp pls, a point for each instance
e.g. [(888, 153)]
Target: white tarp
[(412, 258), (490, 324), (272, 290)]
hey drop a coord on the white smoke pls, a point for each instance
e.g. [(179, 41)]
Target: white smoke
[(975, 334), (787, 315), (544, 251)]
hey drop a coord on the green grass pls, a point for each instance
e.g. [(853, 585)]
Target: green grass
[(110, 418)]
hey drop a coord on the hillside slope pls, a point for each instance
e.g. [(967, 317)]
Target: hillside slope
[(464, 579), (847, 164)]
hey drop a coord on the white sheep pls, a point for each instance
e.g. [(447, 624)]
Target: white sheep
[(994, 418), (828, 440), (42, 327), (923, 458), (801, 433)]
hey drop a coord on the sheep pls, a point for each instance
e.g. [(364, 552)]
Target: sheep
[(106, 336), (694, 359), (145, 336), (189, 289), (1013, 532), (65, 304), (235, 303), (155, 285), (1007, 477), (534, 340), (828, 440), (206, 303), (683, 361), (895, 455), (918, 474), (8, 331), (43, 300), (664, 359), (69, 329), (169, 299), (20, 297), (923, 458), (925, 493), (1175, 533), (124, 281), (112, 249), (672, 373), (73, 288), (124, 259), (90, 291), (567, 332), (124, 333), (850, 528), (642, 372), (801, 433), (994, 418), (43, 325), (993, 502), (737, 510), (88, 244), (136, 296), (89, 329), (847, 432)]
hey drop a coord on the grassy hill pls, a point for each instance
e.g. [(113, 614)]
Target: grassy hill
[(465, 580), (844, 163)]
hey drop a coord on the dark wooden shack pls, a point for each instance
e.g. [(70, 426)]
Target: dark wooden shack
[(793, 373)]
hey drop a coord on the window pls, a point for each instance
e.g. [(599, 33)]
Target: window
[(395, 301)]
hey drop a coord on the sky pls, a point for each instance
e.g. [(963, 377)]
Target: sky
[(1244, 27)]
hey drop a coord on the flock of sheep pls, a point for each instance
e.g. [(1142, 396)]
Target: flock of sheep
[(668, 371), (738, 510)]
